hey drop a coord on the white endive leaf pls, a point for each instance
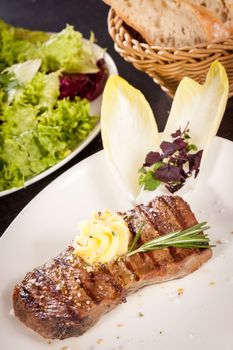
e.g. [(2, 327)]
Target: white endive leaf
[(25, 72), (202, 106), (128, 128)]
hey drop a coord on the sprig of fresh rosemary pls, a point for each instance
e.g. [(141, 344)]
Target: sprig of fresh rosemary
[(192, 237), (136, 238)]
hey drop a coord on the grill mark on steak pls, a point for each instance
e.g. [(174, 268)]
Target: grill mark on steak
[(49, 301), (129, 266), (147, 233), (176, 220), (84, 279), (128, 216), (181, 211), (47, 288), (60, 297), (97, 284), (65, 297), (149, 216), (154, 260), (67, 279), (173, 214), (134, 220), (122, 274), (136, 264), (104, 286), (160, 257)]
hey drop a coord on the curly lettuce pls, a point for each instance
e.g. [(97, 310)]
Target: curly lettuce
[(68, 52), (37, 127), (65, 51), (38, 130), (13, 78), (18, 44)]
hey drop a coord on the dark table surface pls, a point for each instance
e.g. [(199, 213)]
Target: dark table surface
[(85, 15)]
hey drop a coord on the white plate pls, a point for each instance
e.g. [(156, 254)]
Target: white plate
[(199, 319), (94, 110)]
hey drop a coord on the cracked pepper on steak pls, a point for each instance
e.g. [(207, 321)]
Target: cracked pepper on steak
[(65, 297)]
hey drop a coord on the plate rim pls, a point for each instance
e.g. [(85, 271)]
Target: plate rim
[(71, 172)]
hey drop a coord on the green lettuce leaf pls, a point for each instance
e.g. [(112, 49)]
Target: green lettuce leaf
[(14, 77), (42, 92), (37, 130), (68, 52), (18, 45), (50, 92), (65, 51)]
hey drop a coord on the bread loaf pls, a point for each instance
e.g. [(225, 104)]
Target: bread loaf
[(217, 7), (229, 6), (222, 9), (175, 23), (212, 26)]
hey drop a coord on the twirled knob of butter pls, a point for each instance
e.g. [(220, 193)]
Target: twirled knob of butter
[(102, 238)]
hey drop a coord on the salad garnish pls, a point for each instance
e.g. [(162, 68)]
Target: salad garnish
[(129, 132), (45, 84), (178, 160)]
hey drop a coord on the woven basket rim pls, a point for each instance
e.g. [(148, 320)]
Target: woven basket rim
[(167, 66), (174, 50)]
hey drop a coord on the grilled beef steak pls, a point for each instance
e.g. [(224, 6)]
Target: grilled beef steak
[(65, 297)]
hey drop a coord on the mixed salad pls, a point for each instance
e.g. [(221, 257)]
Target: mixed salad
[(46, 83)]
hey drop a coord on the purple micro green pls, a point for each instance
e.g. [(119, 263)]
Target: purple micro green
[(168, 172), (180, 143), (177, 161), (177, 133), (168, 148), (152, 158)]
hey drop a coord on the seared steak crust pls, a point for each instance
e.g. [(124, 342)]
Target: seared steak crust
[(65, 297)]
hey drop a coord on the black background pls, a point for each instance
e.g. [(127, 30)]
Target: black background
[(85, 15)]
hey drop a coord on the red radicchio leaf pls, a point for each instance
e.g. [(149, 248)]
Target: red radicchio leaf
[(87, 86), (73, 85)]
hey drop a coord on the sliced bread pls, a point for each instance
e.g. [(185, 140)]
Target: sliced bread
[(222, 9), (216, 6), (229, 6), (212, 26), (169, 23)]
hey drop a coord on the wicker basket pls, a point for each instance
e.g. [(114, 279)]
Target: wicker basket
[(167, 66)]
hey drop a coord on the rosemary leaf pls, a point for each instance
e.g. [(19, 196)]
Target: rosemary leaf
[(192, 237), (136, 238)]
